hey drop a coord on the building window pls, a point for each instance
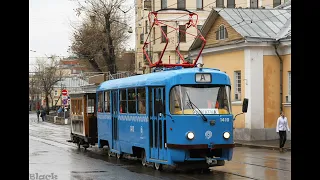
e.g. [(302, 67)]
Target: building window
[(182, 34), (141, 38), (131, 101), (146, 28), (55, 92), (107, 101), (199, 4), (276, 3), (219, 3), (253, 3), (140, 65), (231, 4), (222, 33), (123, 101), (163, 38), (289, 86), (163, 4), (237, 85), (181, 4)]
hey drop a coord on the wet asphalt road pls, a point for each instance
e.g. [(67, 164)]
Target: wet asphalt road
[(50, 154)]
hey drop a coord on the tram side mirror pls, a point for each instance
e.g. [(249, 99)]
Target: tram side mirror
[(245, 105)]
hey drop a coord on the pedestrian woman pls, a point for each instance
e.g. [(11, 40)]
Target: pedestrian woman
[(282, 128), (38, 114), (43, 114)]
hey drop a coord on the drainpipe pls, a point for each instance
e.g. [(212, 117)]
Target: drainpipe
[(281, 72)]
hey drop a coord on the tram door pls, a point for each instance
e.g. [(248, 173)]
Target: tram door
[(115, 120), (157, 123)]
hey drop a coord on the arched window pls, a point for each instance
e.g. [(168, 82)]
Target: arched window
[(222, 33)]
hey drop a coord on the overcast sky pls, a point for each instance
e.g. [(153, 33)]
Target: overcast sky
[(50, 30)]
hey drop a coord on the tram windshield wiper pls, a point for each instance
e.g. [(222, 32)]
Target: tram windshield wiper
[(192, 105)]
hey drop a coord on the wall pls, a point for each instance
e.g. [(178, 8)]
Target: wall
[(286, 68), (271, 74), (211, 36)]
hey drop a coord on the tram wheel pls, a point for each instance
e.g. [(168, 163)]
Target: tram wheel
[(157, 166), (143, 158), (119, 156)]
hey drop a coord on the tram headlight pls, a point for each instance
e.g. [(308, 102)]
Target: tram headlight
[(190, 135), (226, 135)]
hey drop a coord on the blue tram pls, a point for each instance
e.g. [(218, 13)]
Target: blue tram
[(177, 117)]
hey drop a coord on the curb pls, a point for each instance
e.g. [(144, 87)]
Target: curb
[(261, 146)]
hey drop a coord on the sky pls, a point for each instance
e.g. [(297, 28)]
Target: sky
[(50, 30)]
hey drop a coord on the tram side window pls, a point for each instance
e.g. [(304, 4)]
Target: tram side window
[(141, 100), (107, 101), (131, 101), (123, 101), (100, 102)]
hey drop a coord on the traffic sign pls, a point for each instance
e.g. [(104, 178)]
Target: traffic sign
[(65, 101), (64, 92)]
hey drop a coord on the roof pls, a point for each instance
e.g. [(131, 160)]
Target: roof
[(71, 82), (151, 79), (286, 5), (69, 61), (261, 24)]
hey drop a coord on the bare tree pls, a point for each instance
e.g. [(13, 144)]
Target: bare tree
[(103, 33), (34, 91), (47, 74)]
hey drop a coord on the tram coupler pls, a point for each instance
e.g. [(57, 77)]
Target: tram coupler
[(211, 161)]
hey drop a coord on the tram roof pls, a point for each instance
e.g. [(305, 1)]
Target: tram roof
[(151, 79)]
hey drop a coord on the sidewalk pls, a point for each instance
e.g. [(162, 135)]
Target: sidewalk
[(269, 144)]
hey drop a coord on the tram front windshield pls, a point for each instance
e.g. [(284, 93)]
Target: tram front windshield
[(209, 99)]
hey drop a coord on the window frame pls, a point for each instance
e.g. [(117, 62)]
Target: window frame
[(222, 33), (163, 39), (138, 99), (201, 6), (237, 85), (182, 36), (182, 3), (106, 94), (135, 99), (125, 111), (164, 4), (219, 3)]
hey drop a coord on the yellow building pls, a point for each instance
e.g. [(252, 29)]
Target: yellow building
[(253, 46), (156, 40)]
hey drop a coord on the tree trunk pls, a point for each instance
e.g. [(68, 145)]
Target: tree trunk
[(94, 65), (110, 56), (47, 104)]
